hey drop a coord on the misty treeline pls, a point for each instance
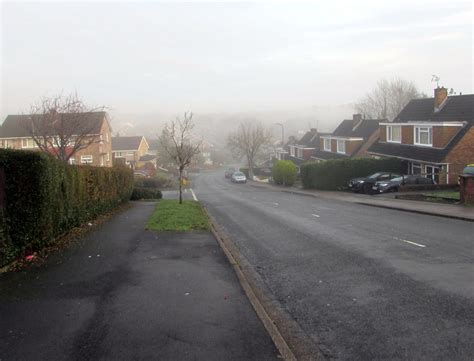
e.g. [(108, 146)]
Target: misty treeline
[(387, 99)]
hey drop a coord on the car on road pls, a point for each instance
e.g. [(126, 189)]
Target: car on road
[(393, 185), (364, 185), (238, 177), (228, 172)]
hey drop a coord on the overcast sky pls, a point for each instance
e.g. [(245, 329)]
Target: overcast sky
[(229, 56)]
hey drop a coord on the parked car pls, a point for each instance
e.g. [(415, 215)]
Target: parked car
[(468, 169), (365, 185), (393, 185), (228, 173), (238, 177)]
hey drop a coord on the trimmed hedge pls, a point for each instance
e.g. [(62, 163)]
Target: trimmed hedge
[(334, 174), (44, 197), (146, 193), (284, 172)]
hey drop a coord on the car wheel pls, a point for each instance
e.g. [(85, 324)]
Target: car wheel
[(367, 188)]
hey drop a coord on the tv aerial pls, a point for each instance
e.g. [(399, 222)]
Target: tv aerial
[(435, 78)]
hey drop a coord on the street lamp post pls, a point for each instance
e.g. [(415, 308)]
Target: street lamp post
[(282, 133)]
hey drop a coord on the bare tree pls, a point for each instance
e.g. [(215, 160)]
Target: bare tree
[(62, 125), (176, 140), (249, 140), (387, 99)]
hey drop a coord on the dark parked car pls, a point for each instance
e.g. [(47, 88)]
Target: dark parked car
[(365, 185), (228, 173), (469, 169), (393, 185)]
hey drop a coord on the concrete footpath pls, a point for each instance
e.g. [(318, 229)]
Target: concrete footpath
[(436, 209), (124, 293)]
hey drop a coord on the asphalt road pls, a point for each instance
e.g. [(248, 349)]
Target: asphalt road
[(364, 283), (124, 293)]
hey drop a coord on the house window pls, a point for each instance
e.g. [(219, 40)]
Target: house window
[(86, 159), (118, 155), (28, 143), (72, 160), (394, 133), (108, 157), (423, 136), (292, 151), (416, 168), (327, 145), (299, 152), (130, 153), (7, 143), (341, 146)]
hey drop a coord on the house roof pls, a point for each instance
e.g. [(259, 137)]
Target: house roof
[(411, 152), (310, 139), (126, 143), (16, 126), (147, 157), (458, 108), (362, 129), (320, 154)]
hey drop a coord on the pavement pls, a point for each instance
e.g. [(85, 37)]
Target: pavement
[(382, 201), (124, 293), (361, 282)]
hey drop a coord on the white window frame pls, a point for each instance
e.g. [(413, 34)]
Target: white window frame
[(390, 134), (72, 160), (108, 157), (417, 135), (292, 151), (299, 153), (343, 150), (85, 159), (326, 142), (130, 153)]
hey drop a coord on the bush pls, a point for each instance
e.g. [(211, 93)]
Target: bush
[(284, 172), (42, 197), (334, 174), (146, 193)]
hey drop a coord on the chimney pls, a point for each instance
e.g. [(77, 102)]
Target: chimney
[(356, 118), (314, 130), (440, 95)]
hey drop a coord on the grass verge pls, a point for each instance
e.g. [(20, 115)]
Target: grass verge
[(446, 194), (169, 215)]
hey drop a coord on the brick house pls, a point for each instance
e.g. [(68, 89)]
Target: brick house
[(129, 150), (300, 151), (16, 133), (351, 138), (434, 135)]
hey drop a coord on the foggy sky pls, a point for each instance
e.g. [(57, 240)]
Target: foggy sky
[(212, 57)]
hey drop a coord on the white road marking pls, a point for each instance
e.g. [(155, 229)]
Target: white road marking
[(315, 215), (194, 196), (410, 242), (185, 190)]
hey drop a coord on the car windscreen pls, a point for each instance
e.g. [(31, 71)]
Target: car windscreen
[(397, 179), (239, 174), (375, 175)]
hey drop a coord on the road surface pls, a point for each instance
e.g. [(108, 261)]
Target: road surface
[(364, 283)]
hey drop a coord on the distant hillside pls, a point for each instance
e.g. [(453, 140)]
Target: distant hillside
[(215, 127)]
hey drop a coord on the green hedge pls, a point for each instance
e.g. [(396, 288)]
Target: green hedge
[(334, 174), (284, 172), (45, 197)]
